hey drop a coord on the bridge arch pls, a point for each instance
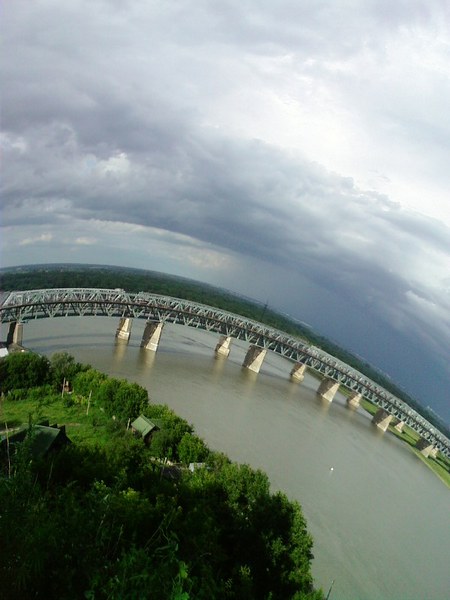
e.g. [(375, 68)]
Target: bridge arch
[(21, 306)]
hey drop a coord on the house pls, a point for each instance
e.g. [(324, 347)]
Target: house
[(45, 439), (144, 427)]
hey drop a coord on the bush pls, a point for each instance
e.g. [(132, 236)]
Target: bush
[(63, 367), (23, 370), (122, 399), (192, 449)]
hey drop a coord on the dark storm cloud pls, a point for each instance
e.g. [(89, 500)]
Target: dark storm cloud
[(112, 113), (243, 196)]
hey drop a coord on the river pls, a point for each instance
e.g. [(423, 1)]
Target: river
[(379, 518)]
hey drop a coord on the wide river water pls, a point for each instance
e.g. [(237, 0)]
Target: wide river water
[(379, 517)]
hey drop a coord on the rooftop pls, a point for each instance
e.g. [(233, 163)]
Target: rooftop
[(144, 425)]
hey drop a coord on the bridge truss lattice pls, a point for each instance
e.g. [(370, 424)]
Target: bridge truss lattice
[(21, 306)]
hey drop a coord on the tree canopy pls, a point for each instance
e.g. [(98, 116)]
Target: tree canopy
[(116, 518)]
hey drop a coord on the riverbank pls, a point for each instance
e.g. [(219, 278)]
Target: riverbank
[(104, 501), (281, 427), (440, 465)]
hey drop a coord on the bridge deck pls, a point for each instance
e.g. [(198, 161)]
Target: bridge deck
[(21, 306)]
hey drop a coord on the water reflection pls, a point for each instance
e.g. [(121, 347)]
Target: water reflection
[(218, 366), (145, 360), (119, 349), (323, 404)]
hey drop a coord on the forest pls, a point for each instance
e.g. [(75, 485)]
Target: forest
[(111, 515), (135, 280)]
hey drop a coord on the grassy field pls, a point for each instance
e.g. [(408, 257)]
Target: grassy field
[(83, 424)]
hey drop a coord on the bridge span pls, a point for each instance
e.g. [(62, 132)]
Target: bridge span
[(18, 307)]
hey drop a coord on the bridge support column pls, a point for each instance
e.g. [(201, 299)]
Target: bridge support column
[(223, 345), (399, 426), (152, 335), (123, 332), (298, 372), (15, 334), (382, 419), (327, 389), (425, 447), (354, 400), (433, 453), (254, 358)]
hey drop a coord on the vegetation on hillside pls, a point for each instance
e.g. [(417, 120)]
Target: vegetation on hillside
[(135, 280), (111, 517)]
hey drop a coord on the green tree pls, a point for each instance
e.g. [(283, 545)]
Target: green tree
[(192, 449), (100, 522), (23, 370), (63, 367), (129, 400), (89, 382)]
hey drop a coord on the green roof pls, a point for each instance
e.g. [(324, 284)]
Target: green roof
[(43, 438), (143, 425)]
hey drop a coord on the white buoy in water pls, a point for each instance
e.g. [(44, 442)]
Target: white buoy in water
[(331, 468)]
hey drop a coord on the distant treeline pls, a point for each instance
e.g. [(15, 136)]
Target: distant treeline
[(136, 280)]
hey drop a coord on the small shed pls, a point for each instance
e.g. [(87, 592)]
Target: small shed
[(144, 427), (45, 439)]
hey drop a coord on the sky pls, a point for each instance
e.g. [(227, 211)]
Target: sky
[(293, 151)]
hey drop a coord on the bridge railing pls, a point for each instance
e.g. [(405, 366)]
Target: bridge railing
[(22, 305)]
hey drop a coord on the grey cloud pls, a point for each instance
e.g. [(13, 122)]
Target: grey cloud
[(425, 229), (231, 194), (105, 117), (321, 27), (248, 198)]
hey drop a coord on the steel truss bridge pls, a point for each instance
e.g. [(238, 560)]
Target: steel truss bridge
[(21, 306)]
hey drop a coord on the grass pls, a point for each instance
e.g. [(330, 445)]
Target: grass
[(439, 465), (82, 426), (369, 407)]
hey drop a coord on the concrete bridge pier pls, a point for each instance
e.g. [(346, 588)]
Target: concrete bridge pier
[(254, 358), (223, 345), (399, 426), (327, 389), (123, 332), (152, 335), (298, 372), (425, 447), (433, 453), (15, 334), (382, 419), (354, 400)]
